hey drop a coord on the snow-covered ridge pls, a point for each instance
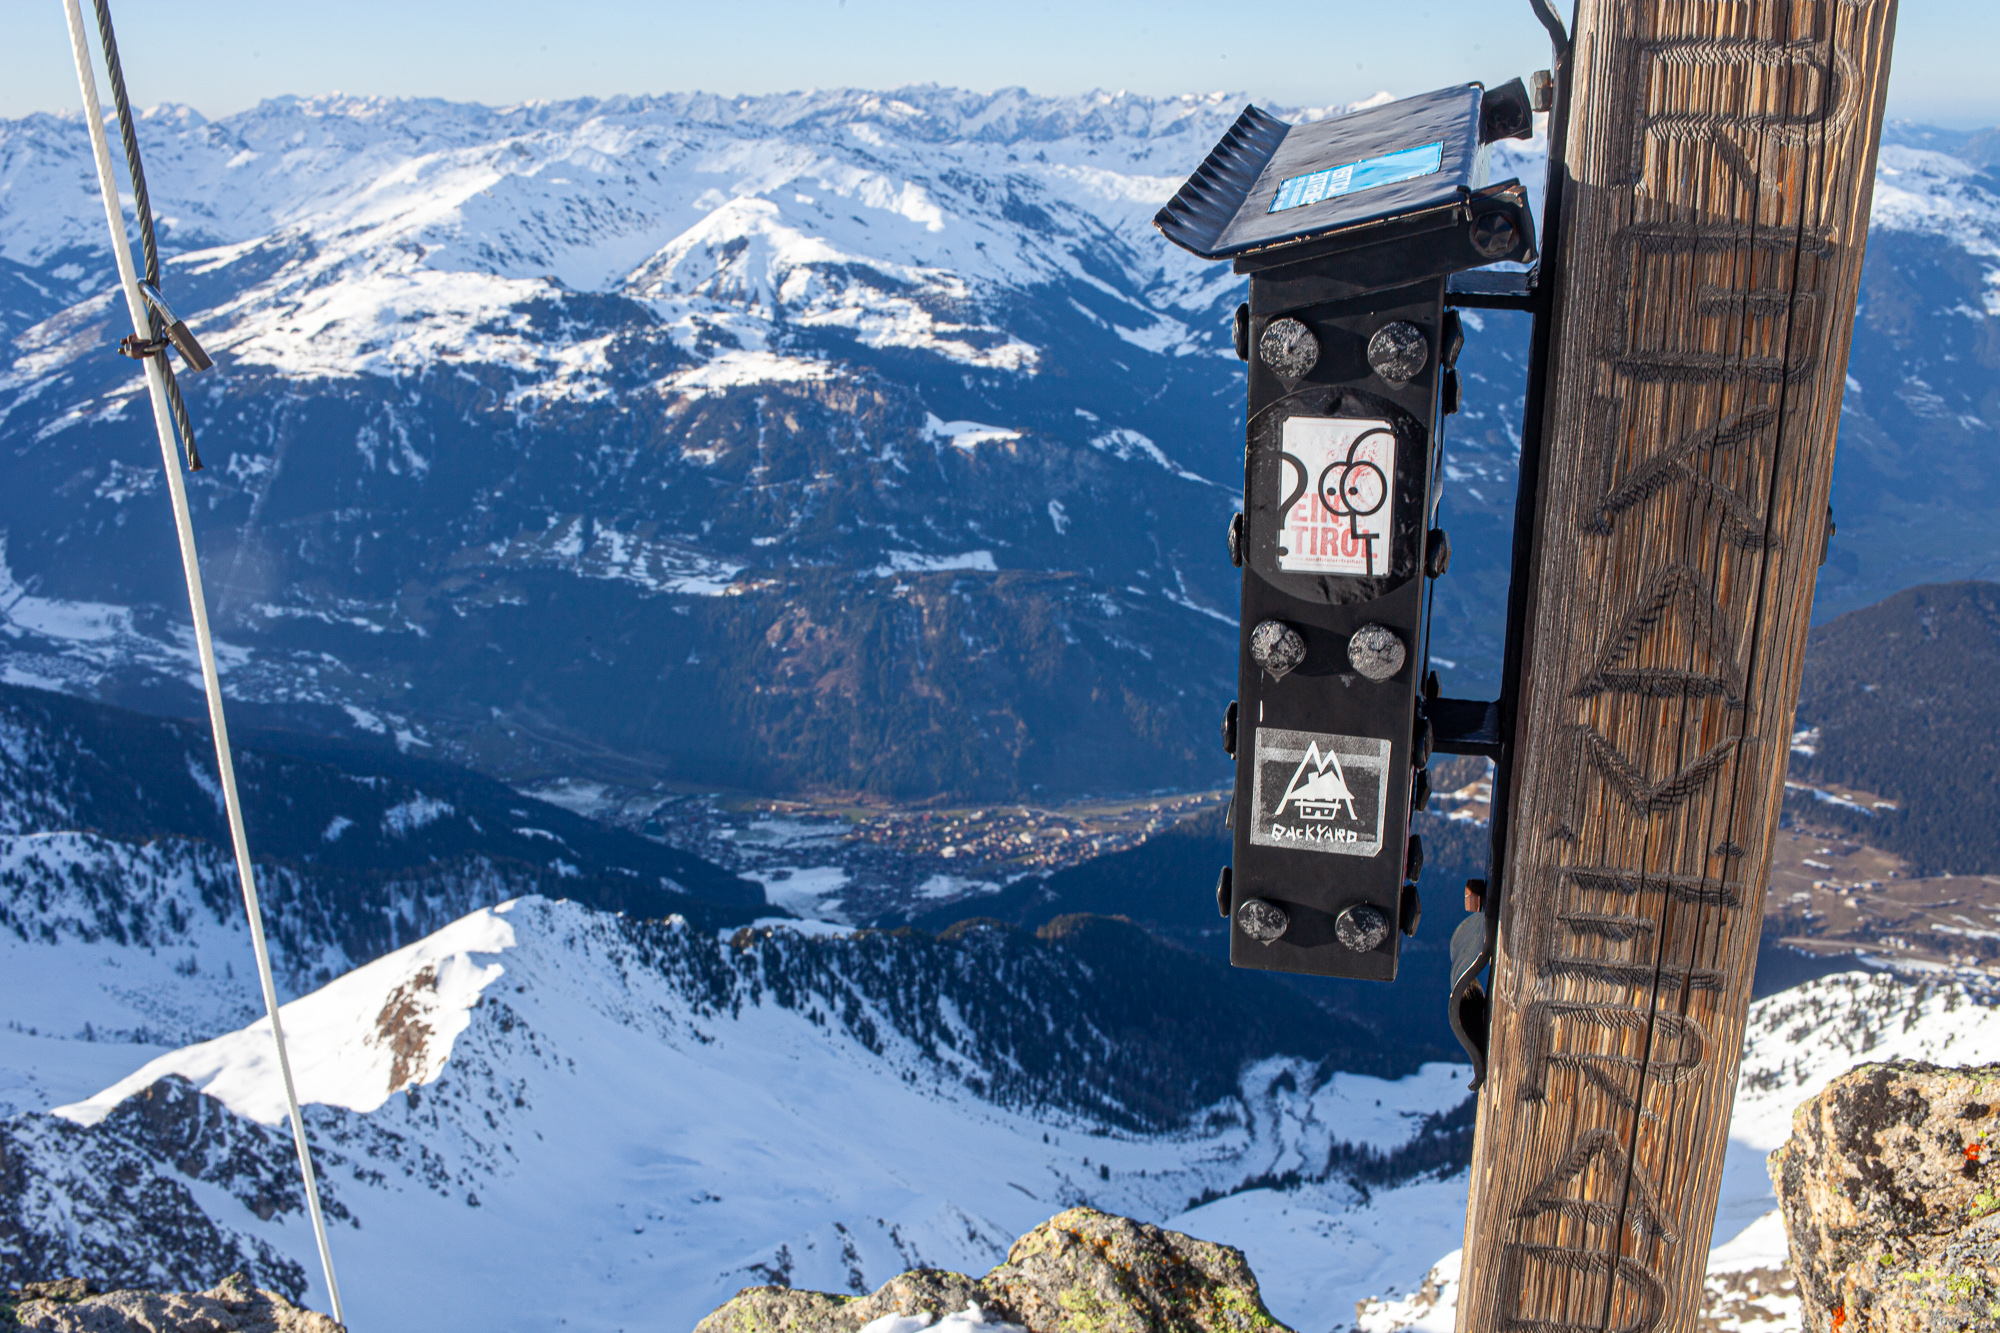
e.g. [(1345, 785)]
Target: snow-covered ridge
[(381, 236), (703, 1112), (349, 235), (112, 945), (697, 1113)]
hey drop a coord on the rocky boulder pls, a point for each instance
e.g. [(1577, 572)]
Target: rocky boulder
[(1891, 1196), (231, 1306), (1079, 1270)]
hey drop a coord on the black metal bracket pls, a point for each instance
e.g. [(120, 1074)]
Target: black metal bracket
[(1469, 1011), (1465, 726), (139, 349), (1487, 289), (1476, 942)]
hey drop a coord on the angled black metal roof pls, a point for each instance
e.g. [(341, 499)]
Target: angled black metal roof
[(1270, 184)]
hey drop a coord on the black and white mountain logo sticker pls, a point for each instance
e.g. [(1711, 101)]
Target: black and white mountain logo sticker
[(1319, 793)]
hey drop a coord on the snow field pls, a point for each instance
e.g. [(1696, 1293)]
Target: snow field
[(540, 1069), (566, 1088)]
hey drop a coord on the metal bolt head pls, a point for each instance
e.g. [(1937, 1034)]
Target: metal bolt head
[(1451, 338), (1437, 553), (1265, 922), (1289, 348), (1277, 647), (1375, 651), (1542, 90), (1399, 351), (1493, 234), (1361, 927)]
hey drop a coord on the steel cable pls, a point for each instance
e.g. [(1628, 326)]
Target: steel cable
[(143, 205), (128, 131), (168, 410)]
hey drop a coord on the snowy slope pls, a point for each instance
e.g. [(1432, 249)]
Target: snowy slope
[(695, 1114), (702, 1112), (121, 920), (688, 1114)]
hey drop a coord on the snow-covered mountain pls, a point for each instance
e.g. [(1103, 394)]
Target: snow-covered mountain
[(871, 440), (121, 924), (510, 399), (689, 1113)]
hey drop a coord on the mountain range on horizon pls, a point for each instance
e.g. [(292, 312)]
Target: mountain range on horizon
[(830, 442)]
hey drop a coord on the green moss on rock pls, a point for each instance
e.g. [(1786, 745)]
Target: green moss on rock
[(1080, 1272)]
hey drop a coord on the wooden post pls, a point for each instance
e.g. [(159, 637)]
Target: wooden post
[(1721, 157)]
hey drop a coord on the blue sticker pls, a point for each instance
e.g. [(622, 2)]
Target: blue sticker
[(1369, 172)]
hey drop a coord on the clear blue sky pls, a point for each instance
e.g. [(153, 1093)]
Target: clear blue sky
[(223, 55)]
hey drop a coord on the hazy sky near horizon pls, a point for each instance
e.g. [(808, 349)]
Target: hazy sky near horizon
[(221, 56)]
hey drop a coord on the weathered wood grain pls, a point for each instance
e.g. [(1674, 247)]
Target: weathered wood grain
[(1721, 154)]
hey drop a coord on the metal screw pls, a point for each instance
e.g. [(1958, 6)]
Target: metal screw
[(1261, 921), (1399, 351), (1437, 553), (1375, 652), (1361, 927), (1542, 90), (1493, 234), (1277, 647), (1289, 348)]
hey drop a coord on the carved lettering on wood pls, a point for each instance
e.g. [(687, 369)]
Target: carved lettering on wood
[(1588, 1038), (1717, 205), (1599, 1191), (1638, 1194), (1620, 1280), (1590, 751), (1680, 590), (1679, 465)]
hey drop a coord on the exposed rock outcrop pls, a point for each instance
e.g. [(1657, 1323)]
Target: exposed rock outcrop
[(231, 1306), (1079, 1270), (1892, 1200)]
